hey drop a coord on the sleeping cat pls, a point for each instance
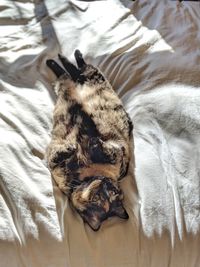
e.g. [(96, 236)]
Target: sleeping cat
[(90, 147)]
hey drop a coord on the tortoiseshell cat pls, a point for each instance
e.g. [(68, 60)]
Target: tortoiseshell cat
[(90, 148)]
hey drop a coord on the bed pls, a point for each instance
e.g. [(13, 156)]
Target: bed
[(149, 51)]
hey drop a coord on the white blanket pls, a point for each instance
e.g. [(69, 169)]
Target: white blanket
[(149, 50)]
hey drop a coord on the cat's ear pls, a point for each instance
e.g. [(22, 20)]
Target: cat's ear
[(121, 212), (94, 222)]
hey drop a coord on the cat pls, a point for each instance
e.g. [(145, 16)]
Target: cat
[(89, 152)]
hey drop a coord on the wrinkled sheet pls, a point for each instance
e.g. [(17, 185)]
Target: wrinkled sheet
[(149, 50)]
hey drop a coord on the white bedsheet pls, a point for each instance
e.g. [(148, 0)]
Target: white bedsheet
[(149, 50)]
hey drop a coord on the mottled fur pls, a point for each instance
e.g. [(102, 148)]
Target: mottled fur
[(90, 147)]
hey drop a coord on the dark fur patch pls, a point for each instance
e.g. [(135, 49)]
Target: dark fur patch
[(93, 75), (97, 77), (60, 157), (123, 170), (81, 79), (130, 126), (66, 95), (87, 126), (73, 164), (118, 108), (98, 155)]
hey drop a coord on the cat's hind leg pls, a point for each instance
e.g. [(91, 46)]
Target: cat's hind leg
[(57, 69), (73, 71), (70, 70), (79, 59)]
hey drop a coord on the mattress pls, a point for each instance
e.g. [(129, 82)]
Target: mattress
[(149, 51)]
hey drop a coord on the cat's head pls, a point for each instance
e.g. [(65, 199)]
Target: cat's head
[(97, 199)]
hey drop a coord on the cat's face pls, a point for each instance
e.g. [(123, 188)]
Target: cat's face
[(97, 200)]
